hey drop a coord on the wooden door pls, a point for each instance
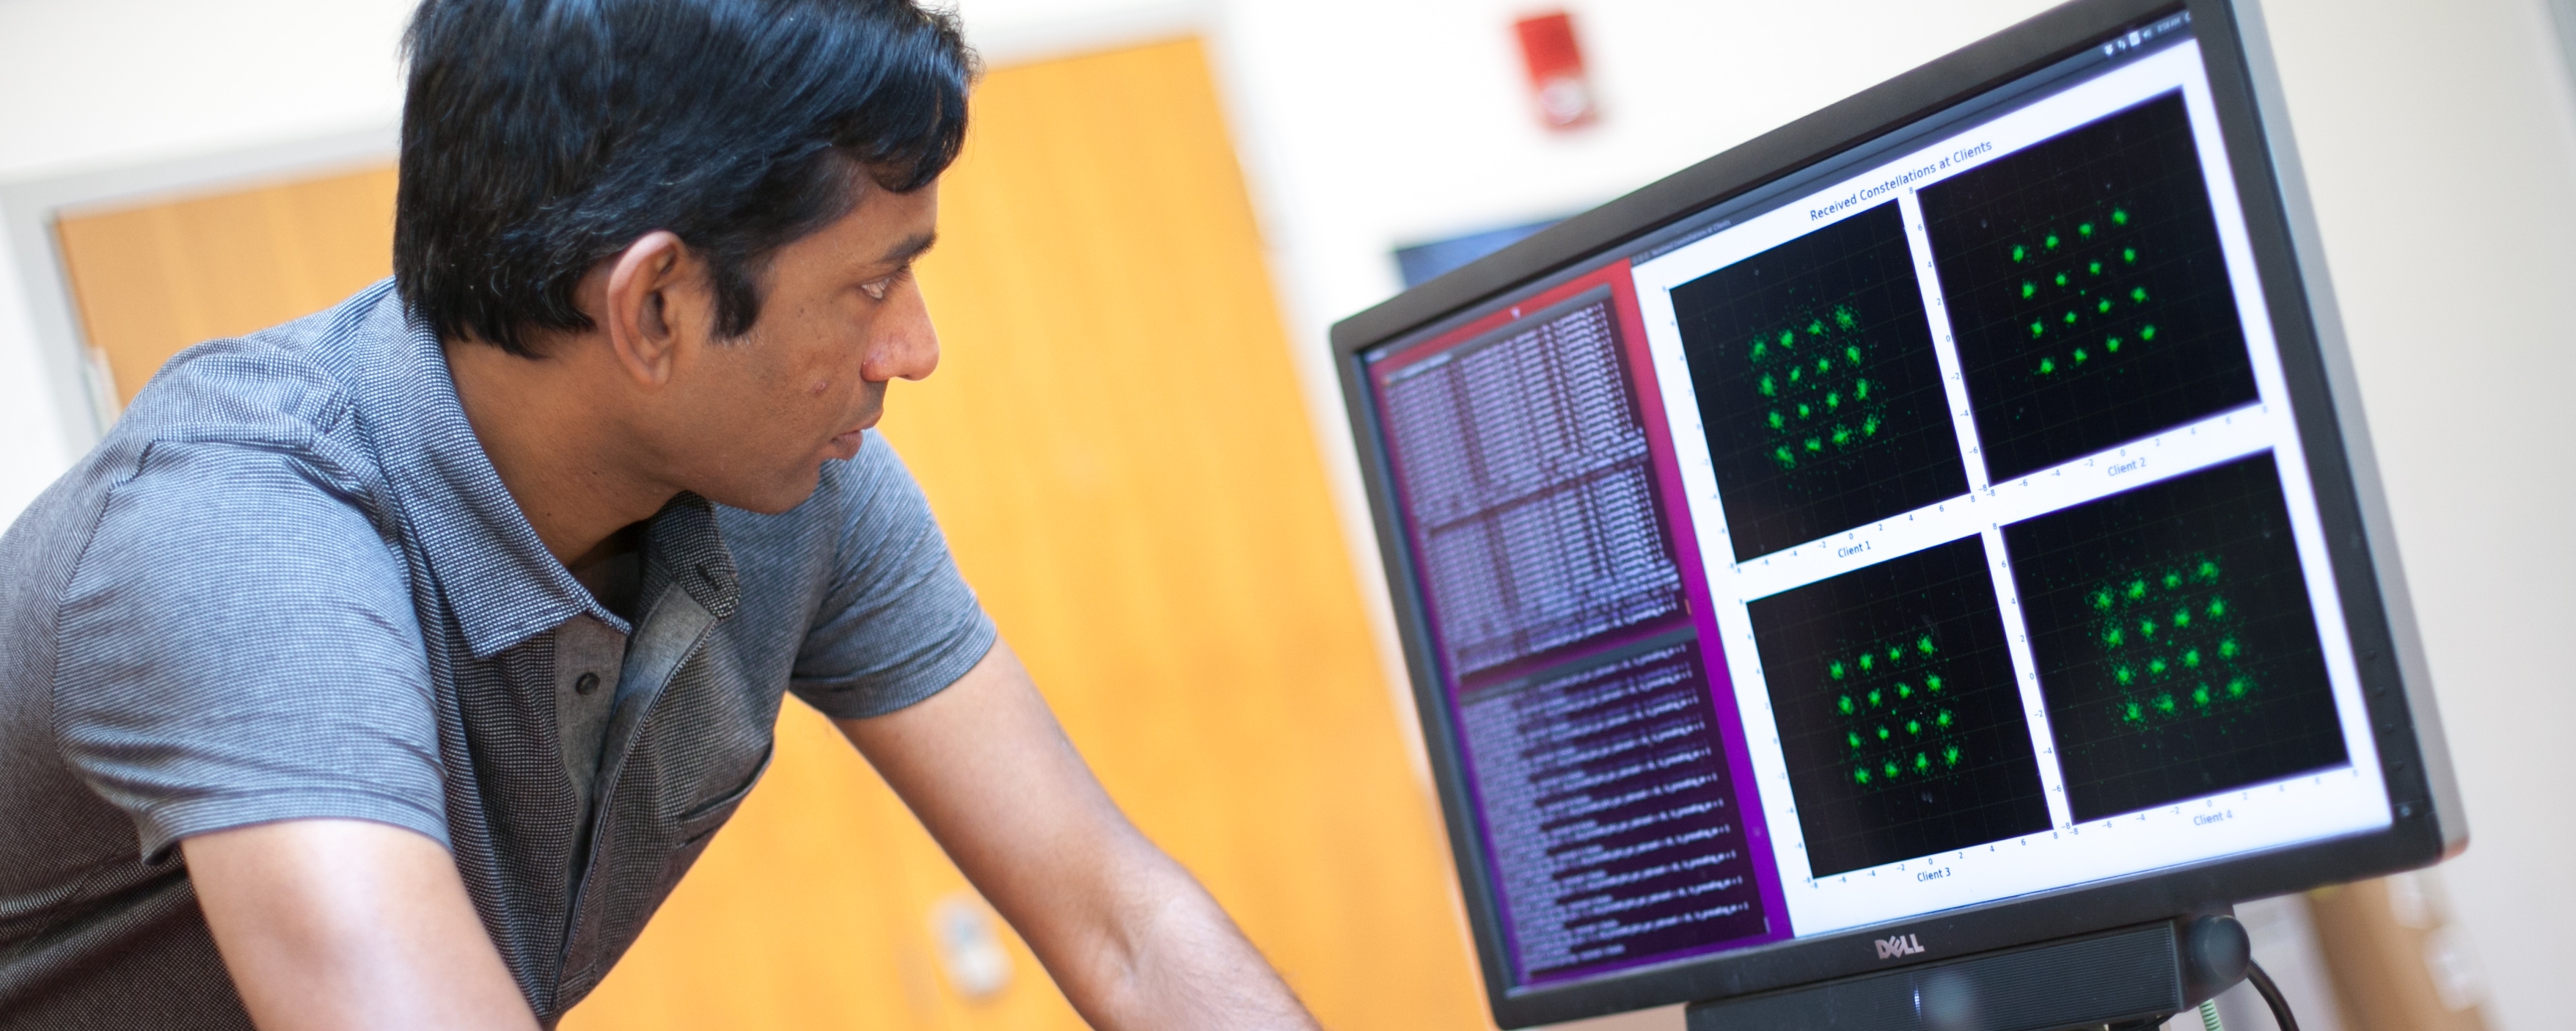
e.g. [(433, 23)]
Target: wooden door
[(1116, 446)]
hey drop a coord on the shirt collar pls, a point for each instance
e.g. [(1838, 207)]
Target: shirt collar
[(501, 585)]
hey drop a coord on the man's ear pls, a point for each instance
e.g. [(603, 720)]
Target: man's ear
[(656, 306)]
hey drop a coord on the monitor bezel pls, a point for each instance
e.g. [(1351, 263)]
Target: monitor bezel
[(2425, 821)]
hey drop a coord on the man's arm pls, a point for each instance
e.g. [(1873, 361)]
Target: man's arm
[(335, 924), (1129, 936)]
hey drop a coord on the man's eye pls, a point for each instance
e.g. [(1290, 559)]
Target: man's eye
[(876, 291)]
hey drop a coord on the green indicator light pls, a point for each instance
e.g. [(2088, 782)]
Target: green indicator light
[(2080, 356), (1890, 768), (1853, 739), (2172, 580), (2236, 687), (1950, 756), (1846, 318), (2147, 629), (2217, 608), (1904, 690), (1767, 386), (2051, 242), (1793, 373), (2138, 294), (1921, 762), (2119, 216), (1804, 411), (1833, 401), (1866, 661), (1774, 419), (2111, 638), (1860, 776), (1844, 703), (1869, 426), (2095, 268), (2164, 703), (2028, 288), (2227, 649), (2036, 329), (1943, 720), (2085, 230), (2208, 570), (1882, 733), (1841, 436), (2137, 589), (2191, 659), (2200, 696), (2156, 666), (1860, 389), (1932, 683), (2112, 345), (1815, 445), (1852, 355), (1824, 365), (2070, 318), (2124, 675), (1786, 460), (2146, 332), (1760, 351), (2102, 601), (1816, 328), (2135, 714), (2181, 619), (2020, 252), (2104, 306), (1924, 644), (1914, 726), (2061, 279), (1836, 671), (2129, 254), (1874, 698), (1788, 339)]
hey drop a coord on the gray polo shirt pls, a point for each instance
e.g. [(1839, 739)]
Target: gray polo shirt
[(290, 585)]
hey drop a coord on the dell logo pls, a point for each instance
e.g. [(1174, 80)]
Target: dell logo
[(1901, 945)]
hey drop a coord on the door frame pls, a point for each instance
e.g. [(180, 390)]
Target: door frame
[(30, 207)]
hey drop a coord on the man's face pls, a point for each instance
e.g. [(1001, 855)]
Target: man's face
[(842, 317)]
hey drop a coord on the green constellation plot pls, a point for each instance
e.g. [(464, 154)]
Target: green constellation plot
[(1890, 703), (2090, 303), (2169, 642), (1819, 400)]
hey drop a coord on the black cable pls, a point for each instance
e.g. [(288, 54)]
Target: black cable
[(2271, 996)]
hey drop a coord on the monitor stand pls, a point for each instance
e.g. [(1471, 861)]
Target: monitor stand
[(2126, 979)]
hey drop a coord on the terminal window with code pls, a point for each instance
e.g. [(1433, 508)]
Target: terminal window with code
[(1926, 529)]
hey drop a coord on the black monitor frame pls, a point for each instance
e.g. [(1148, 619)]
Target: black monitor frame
[(2427, 822)]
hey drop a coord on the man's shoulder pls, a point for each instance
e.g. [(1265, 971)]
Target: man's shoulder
[(293, 386), (253, 441)]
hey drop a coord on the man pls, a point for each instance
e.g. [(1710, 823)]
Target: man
[(387, 668)]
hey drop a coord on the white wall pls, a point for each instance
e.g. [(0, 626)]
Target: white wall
[(2441, 135)]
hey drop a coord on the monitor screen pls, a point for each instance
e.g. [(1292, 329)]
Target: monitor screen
[(1924, 528)]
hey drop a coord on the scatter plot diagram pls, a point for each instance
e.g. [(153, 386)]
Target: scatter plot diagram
[(2086, 290), (1817, 385), (1897, 711), (2175, 641)]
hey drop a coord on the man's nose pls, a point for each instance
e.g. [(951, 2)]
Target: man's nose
[(905, 346)]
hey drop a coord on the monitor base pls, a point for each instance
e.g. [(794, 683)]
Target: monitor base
[(2130, 978)]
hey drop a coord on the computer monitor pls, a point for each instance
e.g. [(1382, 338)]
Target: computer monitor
[(1938, 525)]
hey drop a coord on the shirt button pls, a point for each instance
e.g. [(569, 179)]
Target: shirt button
[(586, 683)]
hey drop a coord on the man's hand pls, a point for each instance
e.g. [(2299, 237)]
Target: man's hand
[(333, 924), (1129, 935)]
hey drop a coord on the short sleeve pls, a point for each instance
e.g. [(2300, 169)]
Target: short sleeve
[(238, 646), (897, 623)]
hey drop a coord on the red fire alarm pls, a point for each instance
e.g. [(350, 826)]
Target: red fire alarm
[(1556, 78)]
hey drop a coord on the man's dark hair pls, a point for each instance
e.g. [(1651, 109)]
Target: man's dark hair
[(541, 137)]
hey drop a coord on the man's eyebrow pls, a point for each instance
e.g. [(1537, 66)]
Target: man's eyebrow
[(909, 247)]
